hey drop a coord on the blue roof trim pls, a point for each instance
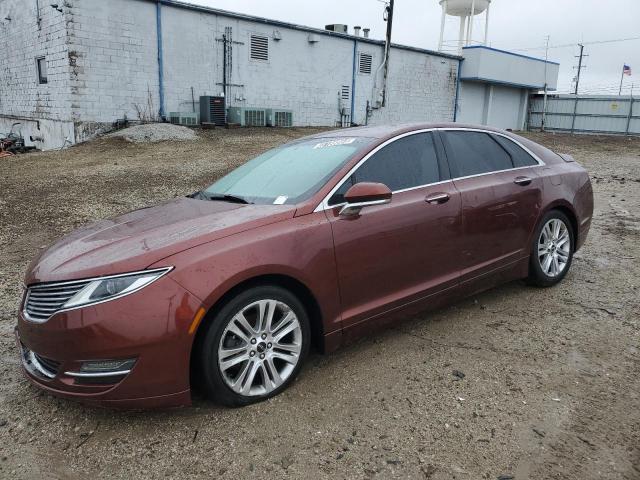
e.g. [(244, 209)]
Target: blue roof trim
[(293, 26), (511, 53), (506, 84)]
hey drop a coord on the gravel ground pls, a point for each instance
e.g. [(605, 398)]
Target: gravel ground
[(517, 382), (155, 132)]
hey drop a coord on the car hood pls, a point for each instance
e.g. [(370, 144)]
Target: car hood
[(135, 240)]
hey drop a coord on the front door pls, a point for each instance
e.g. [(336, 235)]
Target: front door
[(395, 254)]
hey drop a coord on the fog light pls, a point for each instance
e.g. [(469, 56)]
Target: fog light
[(114, 367)]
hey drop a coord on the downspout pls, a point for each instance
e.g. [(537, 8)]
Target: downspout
[(39, 20), (353, 82), (455, 104), (160, 59)]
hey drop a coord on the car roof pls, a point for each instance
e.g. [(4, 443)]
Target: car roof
[(387, 131)]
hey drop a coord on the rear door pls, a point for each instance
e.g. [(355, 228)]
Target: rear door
[(501, 198), (397, 253)]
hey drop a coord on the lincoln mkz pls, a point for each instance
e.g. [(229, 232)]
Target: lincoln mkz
[(315, 242)]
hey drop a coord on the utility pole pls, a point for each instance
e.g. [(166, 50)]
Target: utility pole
[(389, 12), (544, 101), (621, 79), (630, 111), (580, 67)]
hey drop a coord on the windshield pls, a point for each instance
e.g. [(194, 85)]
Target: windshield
[(290, 173)]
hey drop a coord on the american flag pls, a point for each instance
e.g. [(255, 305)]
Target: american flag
[(626, 70)]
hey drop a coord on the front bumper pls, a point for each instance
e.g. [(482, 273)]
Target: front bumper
[(150, 326)]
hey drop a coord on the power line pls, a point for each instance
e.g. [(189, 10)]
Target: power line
[(566, 45)]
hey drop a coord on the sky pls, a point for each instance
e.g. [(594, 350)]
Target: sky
[(516, 25)]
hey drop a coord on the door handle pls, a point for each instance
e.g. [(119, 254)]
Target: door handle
[(522, 181), (437, 198)]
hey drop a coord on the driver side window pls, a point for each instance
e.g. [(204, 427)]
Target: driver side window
[(408, 162)]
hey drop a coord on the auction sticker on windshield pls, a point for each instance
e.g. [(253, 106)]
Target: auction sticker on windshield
[(334, 143)]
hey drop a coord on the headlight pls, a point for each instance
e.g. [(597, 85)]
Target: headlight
[(109, 288)]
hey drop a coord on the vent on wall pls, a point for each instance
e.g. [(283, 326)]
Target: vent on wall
[(364, 63), (345, 92), (259, 48)]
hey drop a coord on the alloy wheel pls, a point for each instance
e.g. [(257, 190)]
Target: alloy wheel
[(260, 347), (554, 247)]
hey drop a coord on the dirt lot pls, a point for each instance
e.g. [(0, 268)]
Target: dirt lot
[(551, 385)]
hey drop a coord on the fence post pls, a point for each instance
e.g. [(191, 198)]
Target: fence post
[(626, 132)]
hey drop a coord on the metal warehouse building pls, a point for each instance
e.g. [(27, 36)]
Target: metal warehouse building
[(70, 70)]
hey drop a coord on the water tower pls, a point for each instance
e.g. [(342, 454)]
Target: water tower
[(466, 10)]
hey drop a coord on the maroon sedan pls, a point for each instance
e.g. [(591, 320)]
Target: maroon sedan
[(319, 240)]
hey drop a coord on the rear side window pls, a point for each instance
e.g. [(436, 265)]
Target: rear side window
[(408, 162), (518, 155), (473, 153)]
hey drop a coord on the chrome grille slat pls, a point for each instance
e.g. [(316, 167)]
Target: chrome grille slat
[(45, 304), (42, 309), (43, 301), (61, 293), (57, 288), (48, 286)]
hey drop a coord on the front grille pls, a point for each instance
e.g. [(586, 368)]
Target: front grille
[(43, 301)]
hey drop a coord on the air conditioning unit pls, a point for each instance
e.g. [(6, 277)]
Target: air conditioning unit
[(337, 27), (248, 116), (279, 118), (189, 119), (212, 110)]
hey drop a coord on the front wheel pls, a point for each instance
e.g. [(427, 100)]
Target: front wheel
[(552, 250), (255, 346)]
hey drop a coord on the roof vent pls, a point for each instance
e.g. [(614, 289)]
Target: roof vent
[(356, 31), (365, 32)]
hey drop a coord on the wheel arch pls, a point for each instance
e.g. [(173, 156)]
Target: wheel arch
[(294, 285), (564, 207), (568, 210)]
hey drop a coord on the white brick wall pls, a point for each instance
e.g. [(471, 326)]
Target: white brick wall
[(115, 68), (102, 58), (300, 76), (21, 41)]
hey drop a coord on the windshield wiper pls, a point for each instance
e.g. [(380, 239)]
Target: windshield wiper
[(225, 197), (199, 195)]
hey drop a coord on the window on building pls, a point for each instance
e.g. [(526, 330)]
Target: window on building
[(365, 61), (41, 65), (473, 153), (408, 162), (518, 155), (259, 48)]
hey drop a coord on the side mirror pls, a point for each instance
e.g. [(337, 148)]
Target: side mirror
[(365, 194)]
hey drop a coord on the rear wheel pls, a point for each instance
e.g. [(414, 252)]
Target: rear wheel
[(552, 250), (255, 346)]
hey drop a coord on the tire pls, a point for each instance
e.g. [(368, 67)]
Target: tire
[(552, 249), (235, 351)]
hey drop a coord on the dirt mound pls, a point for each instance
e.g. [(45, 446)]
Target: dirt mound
[(155, 132)]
